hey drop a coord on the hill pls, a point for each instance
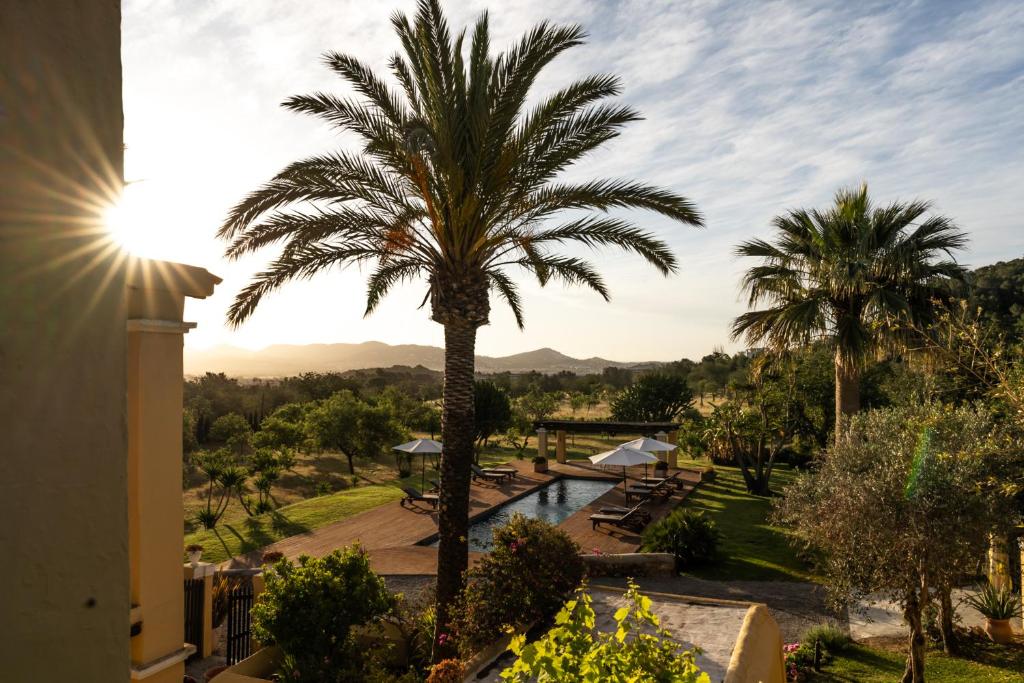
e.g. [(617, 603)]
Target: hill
[(282, 360)]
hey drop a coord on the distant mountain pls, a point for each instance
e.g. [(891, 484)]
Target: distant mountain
[(283, 360)]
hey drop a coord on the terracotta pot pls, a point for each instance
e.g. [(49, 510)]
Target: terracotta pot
[(540, 467), (194, 556), (999, 630)]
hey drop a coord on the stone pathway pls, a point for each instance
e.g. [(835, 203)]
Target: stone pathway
[(795, 605), (880, 618)]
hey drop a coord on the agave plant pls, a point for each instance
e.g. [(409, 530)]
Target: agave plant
[(995, 603), (457, 184)]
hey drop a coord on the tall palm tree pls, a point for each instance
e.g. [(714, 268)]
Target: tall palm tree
[(457, 183), (843, 275)]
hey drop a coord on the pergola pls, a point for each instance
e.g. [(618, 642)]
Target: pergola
[(663, 431)]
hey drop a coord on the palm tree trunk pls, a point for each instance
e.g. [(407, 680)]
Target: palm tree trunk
[(453, 507), (847, 390)]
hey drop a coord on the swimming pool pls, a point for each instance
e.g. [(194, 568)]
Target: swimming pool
[(553, 503)]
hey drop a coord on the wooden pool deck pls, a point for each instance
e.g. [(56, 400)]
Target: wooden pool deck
[(391, 533)]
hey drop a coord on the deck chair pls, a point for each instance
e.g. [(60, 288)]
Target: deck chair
[(480, 473), (644, 492), (413, 495), (673, 480), (510, 472), (633, 518)]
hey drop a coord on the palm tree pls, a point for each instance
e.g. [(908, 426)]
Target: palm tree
[(457, 183), (842, 274)]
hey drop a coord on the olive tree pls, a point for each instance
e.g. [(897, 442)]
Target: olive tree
[(903, 504)]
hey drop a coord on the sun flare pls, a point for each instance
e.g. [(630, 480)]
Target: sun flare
[(129, 224)]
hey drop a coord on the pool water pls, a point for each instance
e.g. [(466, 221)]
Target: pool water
[(553, 503)]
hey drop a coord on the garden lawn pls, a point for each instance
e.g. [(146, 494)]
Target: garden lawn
[(252, 533), (750, 548), (872, 665)]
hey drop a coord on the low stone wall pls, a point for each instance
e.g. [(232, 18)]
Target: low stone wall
[(630, 564)]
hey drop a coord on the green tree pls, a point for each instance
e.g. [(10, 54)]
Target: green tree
[(308, 609), (904, 505), (492, 411), (354, 427), (458, 181), (655, 397), (838, 274), (232, 431)]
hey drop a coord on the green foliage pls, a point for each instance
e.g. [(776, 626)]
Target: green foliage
[(832, 637), (571, 652), (356, 428), (232, 431), (309, 608), (492, 410), (998, 290), (688, 534), (531, 569), (655, 397), (995, 603), (284, 428), (906, 498)]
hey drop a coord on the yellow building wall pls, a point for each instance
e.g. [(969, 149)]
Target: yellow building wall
[(64, 598)]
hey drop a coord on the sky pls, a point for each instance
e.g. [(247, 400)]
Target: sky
[(750, 108)]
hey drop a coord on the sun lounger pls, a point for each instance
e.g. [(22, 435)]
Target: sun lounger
[(510, 472), (674, 480), (633, 518), (480, 473), (412, 495)]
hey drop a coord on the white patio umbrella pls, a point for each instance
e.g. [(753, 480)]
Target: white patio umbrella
[(421, 447), (648, 445), (625, 456)]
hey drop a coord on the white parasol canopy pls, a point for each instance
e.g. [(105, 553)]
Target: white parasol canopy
[(421, 447), (649, 445), (625, 456)]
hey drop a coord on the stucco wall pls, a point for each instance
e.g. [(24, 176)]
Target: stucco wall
[(63, 492)]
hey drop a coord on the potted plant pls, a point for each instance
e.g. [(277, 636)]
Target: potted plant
[(540, 464), (661, 468), (998, 606), (195, 552)]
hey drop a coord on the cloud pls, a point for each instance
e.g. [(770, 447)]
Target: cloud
[(750, 108)]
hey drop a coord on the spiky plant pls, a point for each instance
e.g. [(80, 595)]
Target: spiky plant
[(457, 183), (843, 275)]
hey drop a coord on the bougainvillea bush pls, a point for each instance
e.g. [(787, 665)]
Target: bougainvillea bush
[(531, 570)]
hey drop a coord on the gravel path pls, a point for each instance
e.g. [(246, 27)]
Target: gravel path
[(795, 605)]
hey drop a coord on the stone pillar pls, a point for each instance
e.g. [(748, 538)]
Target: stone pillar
[(560, 445), (998, 563), (662, 455), (156, 299), (542, 442), (1020, 545), (204, 571), (673, 455)]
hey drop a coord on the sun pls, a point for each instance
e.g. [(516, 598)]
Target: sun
[(130, 224)]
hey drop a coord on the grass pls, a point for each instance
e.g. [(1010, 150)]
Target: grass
[(751, 549), (252, 533), (986, 662), (376, 483)]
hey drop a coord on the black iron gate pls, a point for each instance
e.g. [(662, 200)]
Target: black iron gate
[(194, 598), (240, 601)]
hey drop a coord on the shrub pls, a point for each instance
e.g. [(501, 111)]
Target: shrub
[(309, 608), (689, 535), (661, 466), (572, 652), (831, 637), (530, 571), (447, 671), (539, 460)]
